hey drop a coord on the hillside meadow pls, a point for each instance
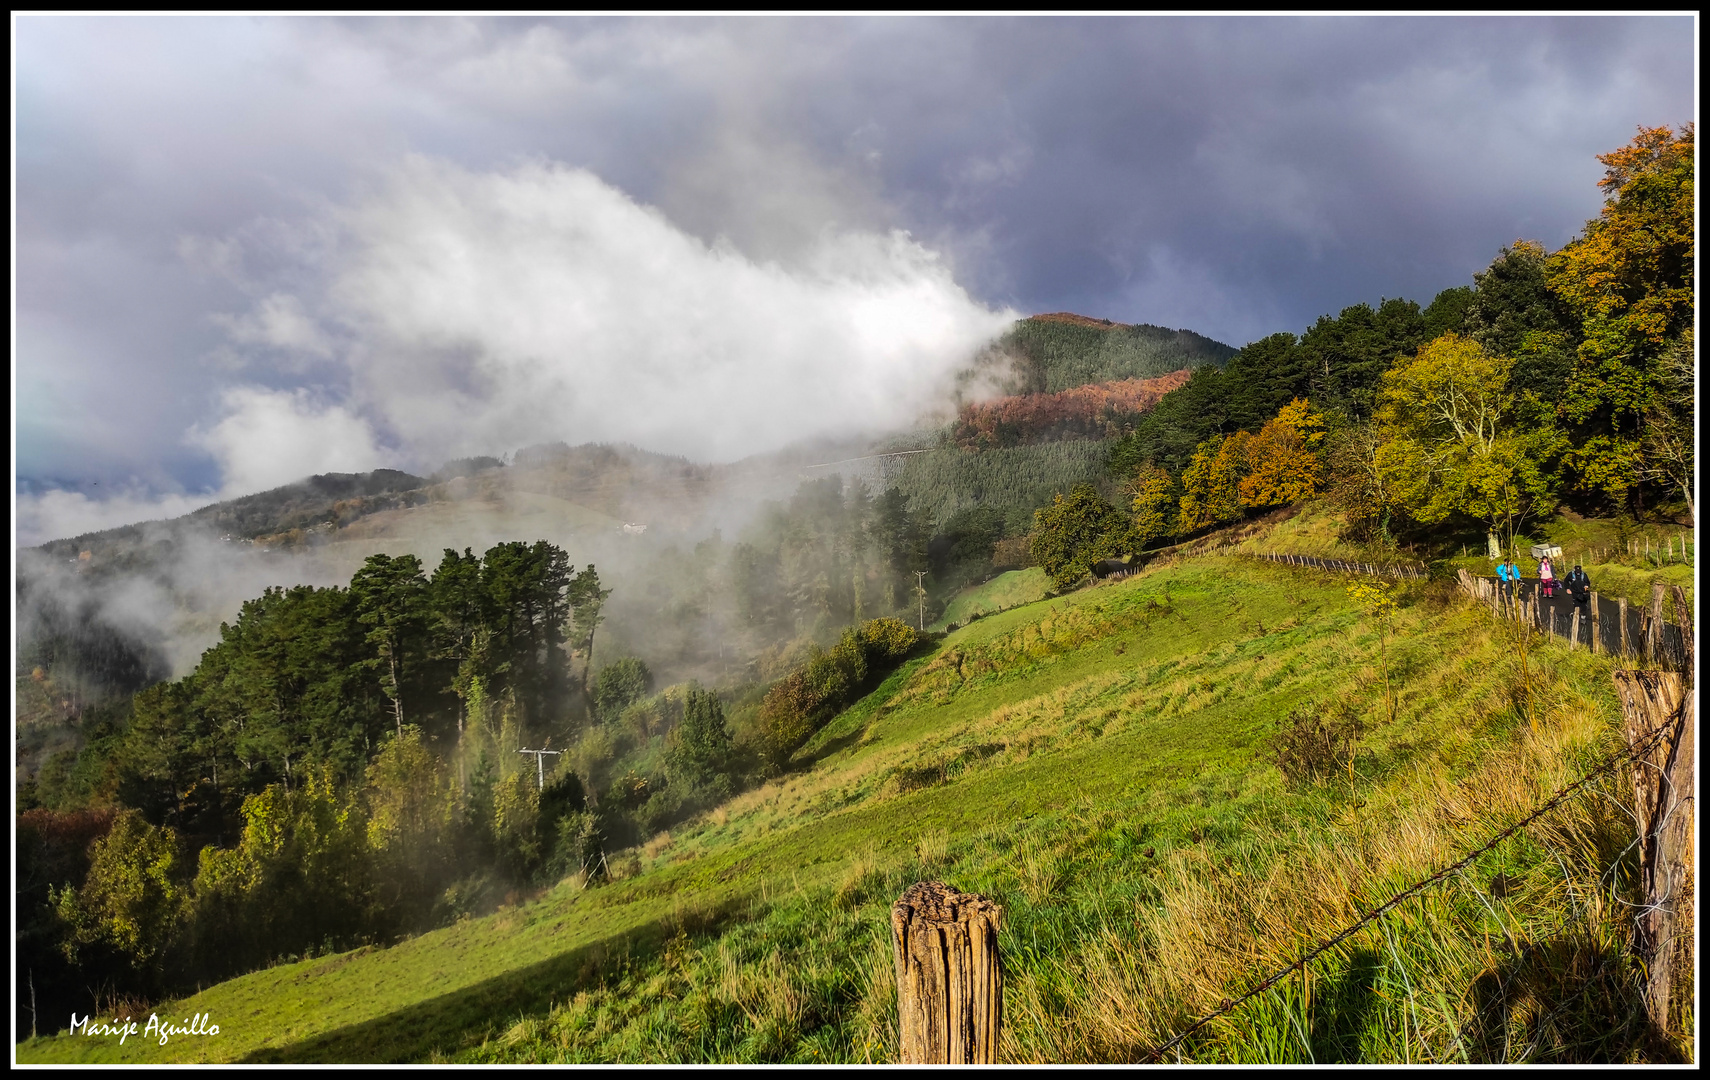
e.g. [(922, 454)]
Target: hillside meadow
[(1104, 765)]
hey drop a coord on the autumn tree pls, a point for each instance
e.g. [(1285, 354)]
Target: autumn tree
[(1151, 493), (1283, 458), (1211, 484), (1629, 280), (1450, 447)]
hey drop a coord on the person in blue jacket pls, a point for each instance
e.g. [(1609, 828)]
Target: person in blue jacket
[(1508, 577)]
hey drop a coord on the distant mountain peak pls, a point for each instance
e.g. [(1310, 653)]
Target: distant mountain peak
[(1078, 320)]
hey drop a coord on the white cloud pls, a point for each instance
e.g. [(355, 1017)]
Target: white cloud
[(55, 514), (489, 310), (273, 437), (280, 322), (265, 439)]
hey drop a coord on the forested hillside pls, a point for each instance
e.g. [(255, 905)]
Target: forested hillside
[(1096, 411), (1559, 380), (1060, 351)]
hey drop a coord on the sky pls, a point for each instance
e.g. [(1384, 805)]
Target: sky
[(247, 250)]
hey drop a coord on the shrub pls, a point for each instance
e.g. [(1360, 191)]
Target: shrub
[(1315, 743), (806, 698), (887, 639)]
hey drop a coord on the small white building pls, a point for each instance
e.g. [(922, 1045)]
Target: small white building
[(634, 528)]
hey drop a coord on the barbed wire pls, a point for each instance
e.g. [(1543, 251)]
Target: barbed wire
[(1229, 1005)]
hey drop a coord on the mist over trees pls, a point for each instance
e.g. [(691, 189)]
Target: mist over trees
[(346, 763)]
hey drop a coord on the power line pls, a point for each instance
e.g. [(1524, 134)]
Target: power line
[(540, 762), (869, 457), (920, 586)]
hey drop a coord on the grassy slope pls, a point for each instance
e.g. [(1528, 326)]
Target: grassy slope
[(1095, 762), (1007, 590)]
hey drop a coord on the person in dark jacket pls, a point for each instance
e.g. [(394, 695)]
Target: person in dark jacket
[(1578, 587)]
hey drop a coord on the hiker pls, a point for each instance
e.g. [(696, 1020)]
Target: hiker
[(1546, 576), (1579, 587), (1507, 577)]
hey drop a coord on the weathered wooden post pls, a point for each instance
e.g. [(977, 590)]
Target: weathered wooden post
[(1596, 626), (1621, 614), (1573, 628), (949, 975), (1653, 624), (1665, 786)]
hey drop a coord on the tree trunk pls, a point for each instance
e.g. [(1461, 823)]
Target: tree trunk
[(949, 975), (397, 692)]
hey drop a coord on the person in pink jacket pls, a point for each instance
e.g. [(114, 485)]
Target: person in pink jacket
[(1546, 576)]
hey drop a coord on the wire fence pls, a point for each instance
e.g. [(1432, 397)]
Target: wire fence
[(1229, 1005), (1604, 625), (1661, 640)]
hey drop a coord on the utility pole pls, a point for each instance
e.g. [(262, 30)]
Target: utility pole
[(920, 587), (540, 763)]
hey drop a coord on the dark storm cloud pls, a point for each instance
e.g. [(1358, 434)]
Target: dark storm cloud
[(199, 198)]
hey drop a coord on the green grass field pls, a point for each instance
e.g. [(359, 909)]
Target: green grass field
[(1009, 589), (1101, 764)]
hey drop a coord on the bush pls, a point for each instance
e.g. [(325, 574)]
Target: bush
[(1316, 743), (806, 698), (887, 639)]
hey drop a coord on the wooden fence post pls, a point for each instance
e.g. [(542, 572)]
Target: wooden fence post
[(1573, 628), (1653, 624), (1596, 625), (1621, 614), (1664, 784), (1683, 619), (949, 975)]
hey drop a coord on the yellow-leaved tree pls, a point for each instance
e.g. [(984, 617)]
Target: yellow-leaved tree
[(1150, 497), (1211, 484), (1283, 464), (1450, 448)]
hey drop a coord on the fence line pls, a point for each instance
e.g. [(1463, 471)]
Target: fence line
[(1228, 1005), (1617, 629), (1345, 566), (1614, 628)]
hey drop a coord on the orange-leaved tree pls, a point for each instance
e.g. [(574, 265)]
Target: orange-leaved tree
[(1629, 279), (1283, 463)]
